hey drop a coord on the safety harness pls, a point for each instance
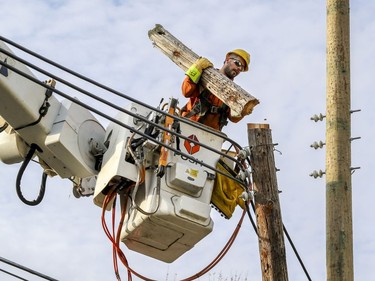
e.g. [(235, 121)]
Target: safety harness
[(203, 107)]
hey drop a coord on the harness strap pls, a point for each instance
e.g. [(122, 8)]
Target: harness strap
[(204, 106), (221, 110)]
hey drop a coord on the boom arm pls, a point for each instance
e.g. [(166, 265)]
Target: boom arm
[(62, 131)]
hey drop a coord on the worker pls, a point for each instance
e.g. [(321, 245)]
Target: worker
[(206, 108), (203, 106)]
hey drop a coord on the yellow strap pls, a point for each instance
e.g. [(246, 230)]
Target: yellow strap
[(166, 140)]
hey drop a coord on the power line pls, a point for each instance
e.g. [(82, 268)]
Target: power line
[(24, 268), (119, 123), (296, 253), (114, 106), (287, 236), (12, 274)]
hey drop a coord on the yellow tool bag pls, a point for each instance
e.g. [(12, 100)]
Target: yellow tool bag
[(226, 192)]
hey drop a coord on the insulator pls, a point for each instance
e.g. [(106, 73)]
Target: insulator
[(317, 145), (316, 174), (246, 196), (244, 153), (317, 118), (353, 169)]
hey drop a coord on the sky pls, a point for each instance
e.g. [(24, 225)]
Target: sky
[(107, 41)]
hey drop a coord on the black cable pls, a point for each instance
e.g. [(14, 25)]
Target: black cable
[(187, 156), (42, 190), (195, 160), (296, 253), (184, 120), (12, 274), (293, 247), (95, 83), (42, 112), (24, 268), (251, 218)]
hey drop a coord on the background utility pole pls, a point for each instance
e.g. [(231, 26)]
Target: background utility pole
[(339, 247), (267, 206)]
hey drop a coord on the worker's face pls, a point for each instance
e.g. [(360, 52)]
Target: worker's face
[(233, 66)]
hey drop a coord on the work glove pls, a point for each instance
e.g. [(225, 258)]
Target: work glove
[(195, 70)]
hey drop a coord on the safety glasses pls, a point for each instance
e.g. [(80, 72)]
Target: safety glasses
[(238, 63)]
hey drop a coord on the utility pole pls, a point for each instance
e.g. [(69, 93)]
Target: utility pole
[(339, 244), (267, 206)]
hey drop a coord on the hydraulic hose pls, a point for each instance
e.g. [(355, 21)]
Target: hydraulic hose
[(42, 190)]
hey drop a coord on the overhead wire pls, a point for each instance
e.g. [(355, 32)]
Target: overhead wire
[(93, 82), (248, 160), (24, 268), (105, 101), (126, 126), (251, 218), (116, 121), (13, 275), (114, 106), (296, 253), (221, 135), (292, 245)]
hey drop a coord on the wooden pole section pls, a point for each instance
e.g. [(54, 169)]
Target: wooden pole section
[(267, 206), (339, 232), (240, 102)]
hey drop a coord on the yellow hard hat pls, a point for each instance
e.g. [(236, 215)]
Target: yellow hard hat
[(243, 54)]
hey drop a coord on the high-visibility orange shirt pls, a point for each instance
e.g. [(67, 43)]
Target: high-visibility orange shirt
[(192, 91)]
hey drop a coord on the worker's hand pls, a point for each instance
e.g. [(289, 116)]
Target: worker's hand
[(203, 63), (196, 69)]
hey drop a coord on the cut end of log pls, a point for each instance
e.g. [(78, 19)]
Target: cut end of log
[(159, 29), (248, 108)]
